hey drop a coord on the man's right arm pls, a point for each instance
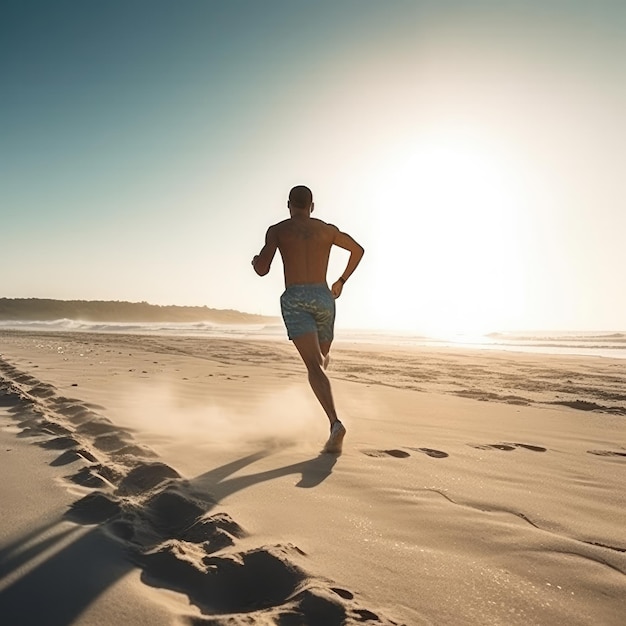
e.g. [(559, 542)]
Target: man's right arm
[(343, 240), (263, 261)]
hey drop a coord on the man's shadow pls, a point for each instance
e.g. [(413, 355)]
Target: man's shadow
[(312, 473)]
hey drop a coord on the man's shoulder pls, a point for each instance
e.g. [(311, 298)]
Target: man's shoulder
[(323, 224), (278, 226)]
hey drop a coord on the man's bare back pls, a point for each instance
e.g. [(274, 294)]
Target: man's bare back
[(304, 243), (307, 305)]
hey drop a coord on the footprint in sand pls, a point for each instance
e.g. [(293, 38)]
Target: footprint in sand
[(606, 453), (507, 447), (528, 446), (343, 593), (436, 454), (398, 454)]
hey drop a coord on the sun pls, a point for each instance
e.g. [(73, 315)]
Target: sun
[(449, 230)]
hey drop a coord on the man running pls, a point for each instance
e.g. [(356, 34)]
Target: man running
[(308, 305)]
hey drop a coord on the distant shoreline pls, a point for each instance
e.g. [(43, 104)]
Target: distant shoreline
[(41, 309)]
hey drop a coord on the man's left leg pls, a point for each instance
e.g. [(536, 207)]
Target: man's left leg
[(325, 321), (310, 350), (312, 354)]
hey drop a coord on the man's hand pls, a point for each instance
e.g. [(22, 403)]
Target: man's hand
[(256, 256), (336, 289)]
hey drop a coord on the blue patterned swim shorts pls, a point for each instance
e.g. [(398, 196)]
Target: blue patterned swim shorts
[(309, 309)]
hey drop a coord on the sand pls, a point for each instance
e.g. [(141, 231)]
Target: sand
[(179, 480)]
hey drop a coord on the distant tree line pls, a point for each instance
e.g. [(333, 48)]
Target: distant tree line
[(31, 309)]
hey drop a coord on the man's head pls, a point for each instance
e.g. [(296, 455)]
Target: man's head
[(300, 198)]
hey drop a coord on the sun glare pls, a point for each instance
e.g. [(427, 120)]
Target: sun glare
[(450, 231)]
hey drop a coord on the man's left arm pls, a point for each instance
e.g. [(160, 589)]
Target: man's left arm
[(263, 261)]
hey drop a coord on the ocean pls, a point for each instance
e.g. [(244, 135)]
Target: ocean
[(589, 343)]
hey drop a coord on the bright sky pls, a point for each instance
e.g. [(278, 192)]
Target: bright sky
[(475, 149)]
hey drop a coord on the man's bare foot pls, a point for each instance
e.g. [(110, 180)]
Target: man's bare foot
[(335, 441)]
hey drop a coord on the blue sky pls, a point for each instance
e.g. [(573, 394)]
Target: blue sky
[(474, 149)]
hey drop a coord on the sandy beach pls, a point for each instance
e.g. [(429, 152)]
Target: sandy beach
[(179, 480)]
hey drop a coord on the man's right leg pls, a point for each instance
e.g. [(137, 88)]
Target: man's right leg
[(325, 350)]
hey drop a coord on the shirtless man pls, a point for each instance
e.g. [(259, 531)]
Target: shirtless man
[(308, 305)]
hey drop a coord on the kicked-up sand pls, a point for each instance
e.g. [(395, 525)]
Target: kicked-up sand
[(177, 480)]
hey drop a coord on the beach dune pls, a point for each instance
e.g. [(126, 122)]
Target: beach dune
[(474, 488)]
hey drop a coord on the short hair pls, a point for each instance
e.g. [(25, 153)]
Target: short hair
[(300, 197)]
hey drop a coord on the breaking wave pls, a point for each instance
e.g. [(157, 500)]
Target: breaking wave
[(606, 344), (151, 328)]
